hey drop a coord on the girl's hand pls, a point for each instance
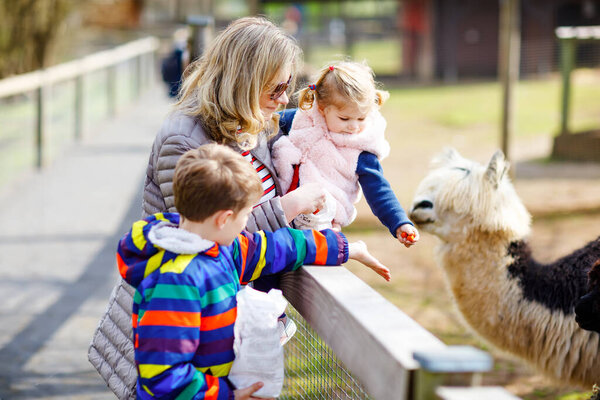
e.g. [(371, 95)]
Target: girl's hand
[(304, 200), (407, 235), (246, 393), (358, 251)]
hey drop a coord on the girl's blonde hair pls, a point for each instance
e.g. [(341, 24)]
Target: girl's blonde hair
[(223, 86), (342, 82)]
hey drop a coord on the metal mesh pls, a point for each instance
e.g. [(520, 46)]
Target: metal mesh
[(311, 369)]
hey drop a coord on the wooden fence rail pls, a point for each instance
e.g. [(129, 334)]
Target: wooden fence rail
[(392, 356), (141, 51)]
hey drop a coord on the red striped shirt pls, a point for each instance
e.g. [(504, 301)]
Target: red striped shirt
[(268, 183)]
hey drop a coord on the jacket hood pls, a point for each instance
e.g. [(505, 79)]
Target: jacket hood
[(152, 242)]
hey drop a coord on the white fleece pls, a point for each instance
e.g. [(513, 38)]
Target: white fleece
[(171, 238)]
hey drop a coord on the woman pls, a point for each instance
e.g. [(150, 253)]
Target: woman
[(229, 96)]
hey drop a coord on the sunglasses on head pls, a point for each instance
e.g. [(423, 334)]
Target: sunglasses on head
[(280, 89)]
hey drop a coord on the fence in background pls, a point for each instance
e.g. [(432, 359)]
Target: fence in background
[(354, 344), (68, 95)]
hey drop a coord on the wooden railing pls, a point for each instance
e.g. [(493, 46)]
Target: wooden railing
[(392, 356), (141, 52)]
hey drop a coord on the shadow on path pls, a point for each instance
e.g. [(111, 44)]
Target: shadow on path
[(95, 278)]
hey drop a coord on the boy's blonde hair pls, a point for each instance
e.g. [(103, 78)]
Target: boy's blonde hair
[(224, 85), (342, 82), (212, 178)]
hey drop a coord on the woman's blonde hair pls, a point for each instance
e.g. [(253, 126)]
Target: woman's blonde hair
[(342, 82), (223, 86)]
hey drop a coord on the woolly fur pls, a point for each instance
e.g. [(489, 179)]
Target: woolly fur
[(477, 214)]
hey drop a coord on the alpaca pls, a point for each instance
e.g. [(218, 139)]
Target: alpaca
[(513, 302)]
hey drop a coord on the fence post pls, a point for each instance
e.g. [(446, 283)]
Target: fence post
[(455, 365), (111, 90), (567, 62), (41, 125), (509, 62), (151, 65), (138, 76), (79, 106)]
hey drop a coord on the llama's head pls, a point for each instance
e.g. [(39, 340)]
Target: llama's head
[(459, 196)]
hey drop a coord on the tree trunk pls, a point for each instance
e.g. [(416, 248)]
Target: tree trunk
[(28, 33)]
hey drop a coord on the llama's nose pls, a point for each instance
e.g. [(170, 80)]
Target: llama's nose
[(423, 204)]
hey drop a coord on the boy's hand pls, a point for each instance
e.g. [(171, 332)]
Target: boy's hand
[(246, 393), (407, 235), (304, 200), (358, 251)]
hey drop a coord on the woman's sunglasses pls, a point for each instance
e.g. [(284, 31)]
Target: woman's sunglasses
[(280, 89)]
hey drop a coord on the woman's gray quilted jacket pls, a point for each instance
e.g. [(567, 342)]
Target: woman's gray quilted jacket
[(111, 351)]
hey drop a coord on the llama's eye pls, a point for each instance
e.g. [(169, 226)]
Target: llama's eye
[(467, 171)]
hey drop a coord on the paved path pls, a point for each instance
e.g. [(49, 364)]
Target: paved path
[(60, 229)]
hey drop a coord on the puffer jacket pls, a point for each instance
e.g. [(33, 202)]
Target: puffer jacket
[(180, 133), (111, 350)]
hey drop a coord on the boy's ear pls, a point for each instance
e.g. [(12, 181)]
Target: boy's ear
[(221, 218)]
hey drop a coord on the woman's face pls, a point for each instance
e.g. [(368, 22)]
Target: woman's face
[(268, 105)]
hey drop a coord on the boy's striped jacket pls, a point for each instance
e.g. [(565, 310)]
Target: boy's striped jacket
[(184, 307)]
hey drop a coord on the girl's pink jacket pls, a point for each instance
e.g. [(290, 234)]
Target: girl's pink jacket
[(328, 158)]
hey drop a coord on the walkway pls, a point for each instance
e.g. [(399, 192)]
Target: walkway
[(60, 229)]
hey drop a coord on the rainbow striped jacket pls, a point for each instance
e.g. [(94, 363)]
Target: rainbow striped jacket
[(184, 307)]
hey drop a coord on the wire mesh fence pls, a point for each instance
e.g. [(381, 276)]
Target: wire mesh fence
[(312, 370)]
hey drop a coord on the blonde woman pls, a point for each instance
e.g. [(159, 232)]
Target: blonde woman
[(229, 96)]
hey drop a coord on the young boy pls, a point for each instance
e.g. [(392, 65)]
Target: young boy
[(188, 267)]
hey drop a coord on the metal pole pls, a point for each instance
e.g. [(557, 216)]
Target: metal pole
[(567, 60)]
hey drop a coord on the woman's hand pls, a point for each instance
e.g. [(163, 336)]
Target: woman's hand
[(407, 234), (306, 199), (358, 251), (246, 393)]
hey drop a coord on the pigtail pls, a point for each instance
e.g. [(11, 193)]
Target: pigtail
[(381, 97), (306, 98)]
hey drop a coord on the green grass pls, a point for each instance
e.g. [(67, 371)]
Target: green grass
[(476, 107), (383, 56)]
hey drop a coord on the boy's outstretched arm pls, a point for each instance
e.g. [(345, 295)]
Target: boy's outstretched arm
[(358, 251), (286, 249)]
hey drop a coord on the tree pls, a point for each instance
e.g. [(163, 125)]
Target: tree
[(28, 33)]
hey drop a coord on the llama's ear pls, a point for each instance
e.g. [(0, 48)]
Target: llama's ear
[(446, 156), (496, 169), (451, 154)]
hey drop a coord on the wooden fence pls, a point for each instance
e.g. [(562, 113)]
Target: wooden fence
[(140, 52), (392, 356)]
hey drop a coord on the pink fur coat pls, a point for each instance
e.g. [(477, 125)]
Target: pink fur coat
[(328, 158)]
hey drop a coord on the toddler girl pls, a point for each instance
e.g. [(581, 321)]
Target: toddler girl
[(337, 140)]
